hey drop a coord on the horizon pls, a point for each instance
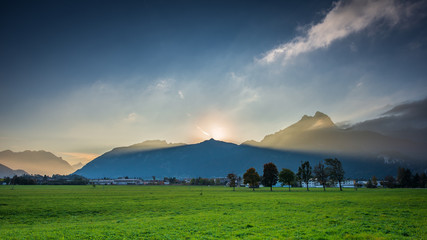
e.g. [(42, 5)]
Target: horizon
[(81, 78), (144, 141)]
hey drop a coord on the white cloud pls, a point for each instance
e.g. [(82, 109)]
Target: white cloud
[(163, 84), (181, 95), (132, 117), (345, 18)]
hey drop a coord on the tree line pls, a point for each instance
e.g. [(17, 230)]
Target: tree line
[(327, 170), (45, 180), (405, 179)]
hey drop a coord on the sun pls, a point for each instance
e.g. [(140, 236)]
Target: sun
[(218, 133), (213, 125), (215, 132)]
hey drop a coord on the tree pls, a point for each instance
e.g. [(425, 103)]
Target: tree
[(320, 174), (334, 170), (415, 180), (423, 180), (299, 176), (211, 182), (389, 182), (404, 177), (251, 177), (270, 175), (233, 180), (369, 184), (286, 176), (374, 181), (304, 172), (218, 181)]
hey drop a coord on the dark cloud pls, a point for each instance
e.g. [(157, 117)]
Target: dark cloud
[(407, 120)]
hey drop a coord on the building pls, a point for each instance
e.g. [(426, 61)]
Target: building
[(129, 181), (121, 181), (312, 184), (101, 181)]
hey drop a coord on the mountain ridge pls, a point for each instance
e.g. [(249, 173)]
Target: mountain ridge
[(312, 138), (213, 158), (8, 172), (36, 162), (318, 133)]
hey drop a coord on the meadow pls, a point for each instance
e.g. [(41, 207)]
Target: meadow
[(194, 212)]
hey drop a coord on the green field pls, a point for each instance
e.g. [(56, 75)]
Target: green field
[(182, 212)]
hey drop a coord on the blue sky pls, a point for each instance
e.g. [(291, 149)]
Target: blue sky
[(81, 77)]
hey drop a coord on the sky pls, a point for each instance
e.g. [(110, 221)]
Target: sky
[(79, 78)]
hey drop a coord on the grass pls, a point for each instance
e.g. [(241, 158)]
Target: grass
[(181, 212)]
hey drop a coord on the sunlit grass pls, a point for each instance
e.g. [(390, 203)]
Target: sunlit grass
[(182, 212)]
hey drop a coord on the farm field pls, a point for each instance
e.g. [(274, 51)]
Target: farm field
[(182, 212)]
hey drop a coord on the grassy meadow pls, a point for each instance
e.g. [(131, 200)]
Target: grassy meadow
[(194, 212)]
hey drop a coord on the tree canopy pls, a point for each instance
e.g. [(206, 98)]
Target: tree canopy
[(270, 175), (320, 174), (233, 180), (286, 176), (252, 178), (304, 172), (334, 170)]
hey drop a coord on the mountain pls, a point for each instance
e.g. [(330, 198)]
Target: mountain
[(407, 120), (36, 162), (146, 146), (7, 172), (313, 138), (213, 158), (77, 166), (319, 134)]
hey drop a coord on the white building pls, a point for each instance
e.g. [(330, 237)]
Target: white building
[(101, 181), (312, 184), (130, 181), (116, 181), (346, 184)]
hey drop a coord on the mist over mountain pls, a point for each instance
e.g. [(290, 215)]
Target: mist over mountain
[(313, 138), (36, 162), (145, 146), (210, 158), (8, 172), (318, 133), (407, 121), (213, 158), (77, 166)]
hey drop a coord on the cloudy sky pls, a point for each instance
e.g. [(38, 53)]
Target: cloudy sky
[(78, 78)]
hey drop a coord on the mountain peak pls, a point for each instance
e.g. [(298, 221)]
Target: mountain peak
[(320, 115), (212, 140), (318, 121), (146, 146)]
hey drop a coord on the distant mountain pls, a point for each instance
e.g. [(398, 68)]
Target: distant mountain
[(7, 172), (146, 146), (407, 120), (77, 166), (319, 134), (313, 138), (216, 159), (36, 162)]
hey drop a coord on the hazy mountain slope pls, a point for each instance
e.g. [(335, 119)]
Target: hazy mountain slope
[(145, 146), (77, 166), (7, 172), (319, 134), (363, 154), (407, 120), (217, 159), (35, 162)]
